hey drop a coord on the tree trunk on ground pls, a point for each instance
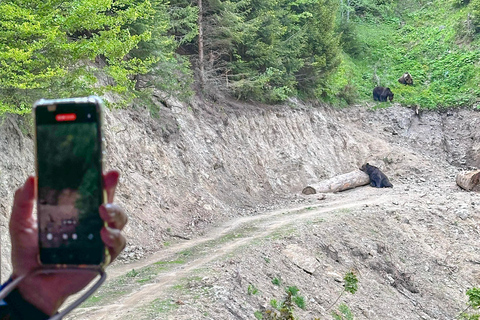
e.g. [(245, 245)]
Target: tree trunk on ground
[(339, 183), (469, 180)]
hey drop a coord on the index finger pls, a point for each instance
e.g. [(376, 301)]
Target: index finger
[(110, 181)]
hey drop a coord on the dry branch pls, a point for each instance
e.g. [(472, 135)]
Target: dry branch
[(469, 180), (339, 183)]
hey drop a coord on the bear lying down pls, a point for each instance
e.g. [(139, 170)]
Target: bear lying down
[(377, 178)]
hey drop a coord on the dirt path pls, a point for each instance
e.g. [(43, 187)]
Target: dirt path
[(264, 225)]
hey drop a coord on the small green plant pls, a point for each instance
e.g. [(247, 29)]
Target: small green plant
[(474, 303), (274, 303), (284, 310), (299, 301), (474, 297), (351, 285), (292, 291), (351, 282), (276, 281), (258, 315), (343, 313), (252, 289)]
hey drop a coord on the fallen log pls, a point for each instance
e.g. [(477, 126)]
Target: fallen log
[(469, 180), (339, 183)]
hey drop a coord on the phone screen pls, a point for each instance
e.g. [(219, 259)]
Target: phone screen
[(70, 191)]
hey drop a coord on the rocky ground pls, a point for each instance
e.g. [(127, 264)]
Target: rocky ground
[(219, 226), (414, 249)]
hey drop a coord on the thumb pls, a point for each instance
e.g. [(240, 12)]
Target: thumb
[(23, 229), (23, 204)]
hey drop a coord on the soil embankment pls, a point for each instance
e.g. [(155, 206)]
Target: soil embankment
[(199, 166)]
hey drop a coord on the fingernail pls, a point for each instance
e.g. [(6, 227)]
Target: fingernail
[(110, 210), (29, 185), (112, 233)]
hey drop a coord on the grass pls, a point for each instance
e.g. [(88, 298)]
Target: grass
[(158, 307), (282, 233), (229, 237), (164, 263), (425, 40), (344, 211), (315, 221), (191, 286), (104, 295), (129, 282)]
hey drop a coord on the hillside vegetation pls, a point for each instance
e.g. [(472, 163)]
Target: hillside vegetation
[(435, 41), (256, 50)]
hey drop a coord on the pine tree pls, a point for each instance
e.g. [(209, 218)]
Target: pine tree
[(48, 48), (269, 49)]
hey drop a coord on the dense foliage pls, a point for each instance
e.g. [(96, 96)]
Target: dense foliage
[(280, 48), (263, 50), (53, 48)]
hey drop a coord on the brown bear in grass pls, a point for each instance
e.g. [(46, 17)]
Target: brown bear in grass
[(381, 94), (406, 79), (377, 178)]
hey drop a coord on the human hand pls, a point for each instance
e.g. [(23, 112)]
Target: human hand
[(47, 292)]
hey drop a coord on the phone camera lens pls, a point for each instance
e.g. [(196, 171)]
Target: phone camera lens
[(89, 116)]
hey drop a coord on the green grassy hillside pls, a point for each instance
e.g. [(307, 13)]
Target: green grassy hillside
[(434, 41)]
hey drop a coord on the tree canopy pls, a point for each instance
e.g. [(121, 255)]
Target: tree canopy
[(53, 48), (263, 50)]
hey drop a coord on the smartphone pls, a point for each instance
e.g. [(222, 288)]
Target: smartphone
[(69, 149)]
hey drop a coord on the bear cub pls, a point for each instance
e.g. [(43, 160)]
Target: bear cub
[(377, 178), (381, 94), (406, 79)]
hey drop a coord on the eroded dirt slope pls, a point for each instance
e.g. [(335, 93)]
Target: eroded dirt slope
[(200, 166)]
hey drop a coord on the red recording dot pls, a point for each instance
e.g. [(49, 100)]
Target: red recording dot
[(66, 117)]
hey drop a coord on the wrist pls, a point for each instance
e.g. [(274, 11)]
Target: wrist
[(15, 307), (3, 302), (46, 302), (22, 309)]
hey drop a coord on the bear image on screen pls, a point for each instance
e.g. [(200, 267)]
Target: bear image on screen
[(69, 192)]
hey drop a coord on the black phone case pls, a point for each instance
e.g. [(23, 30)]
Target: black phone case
[(69, 165)]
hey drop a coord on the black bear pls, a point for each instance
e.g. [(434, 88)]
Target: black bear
[(381, 94), (406, 79), (377, 178)]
